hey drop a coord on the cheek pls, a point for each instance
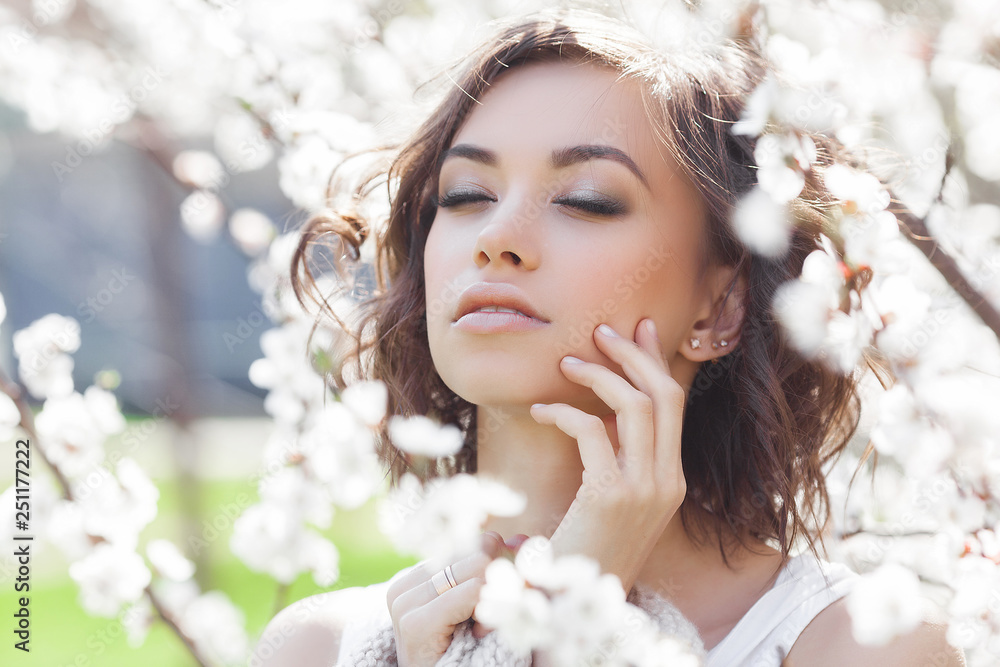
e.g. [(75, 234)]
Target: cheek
[(621, 291), (435, 272)]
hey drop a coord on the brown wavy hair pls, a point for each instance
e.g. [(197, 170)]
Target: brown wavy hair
[(760, 424)]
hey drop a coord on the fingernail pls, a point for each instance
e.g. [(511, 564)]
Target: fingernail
[(572, 360), (651, 328), (607, 331)]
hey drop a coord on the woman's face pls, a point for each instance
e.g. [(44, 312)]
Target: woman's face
[(559, 188)]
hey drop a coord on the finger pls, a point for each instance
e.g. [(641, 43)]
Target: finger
[(492, 543), (515, 542), (452, 607), (415, 575), (423, 593), (648, 339), (633, 408), (404, 580), (643, 368), (589, 431), (647, 370)]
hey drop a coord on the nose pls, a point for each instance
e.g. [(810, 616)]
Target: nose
[(507, 238)]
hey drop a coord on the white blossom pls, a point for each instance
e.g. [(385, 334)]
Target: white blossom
[(115, 507), (168, 560), (305, 169), (216, 626), (267, 540), (298, 495), (423, 436), (202, 214), (565, 607), (859, 191), (904, 433), (241, 144), (885, 604), (45, 368), (340, 452), (73, 428), (763, 224), (137, 619), (287, 372), (520, 614), (252, 230), (447, 516), (782, 161), (109, 577), (199, 169), (367, 400)]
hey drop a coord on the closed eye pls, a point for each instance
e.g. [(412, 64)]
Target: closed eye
[(597, 205), (457, 198)]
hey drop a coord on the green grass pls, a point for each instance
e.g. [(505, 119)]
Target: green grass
[(62, 634)]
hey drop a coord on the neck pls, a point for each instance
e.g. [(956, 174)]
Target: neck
[(537, 460), (543, 463)]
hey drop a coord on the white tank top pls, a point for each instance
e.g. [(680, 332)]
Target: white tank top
[(765, 634), (762, 638)]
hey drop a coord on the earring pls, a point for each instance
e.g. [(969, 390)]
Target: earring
[(723, 343), (695, 343)]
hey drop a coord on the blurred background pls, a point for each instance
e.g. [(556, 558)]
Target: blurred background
[(153, 156), (178, 320)]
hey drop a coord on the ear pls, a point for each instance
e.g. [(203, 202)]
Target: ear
[(721, 319)]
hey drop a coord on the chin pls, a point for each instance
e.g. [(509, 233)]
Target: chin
[(517, 385)]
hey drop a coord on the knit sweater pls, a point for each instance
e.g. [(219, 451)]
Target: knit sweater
[(379, 649)]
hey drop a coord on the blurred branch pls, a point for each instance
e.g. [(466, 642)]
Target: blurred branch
[(16, 394), (172, 624), (918, 234), (280, 598)]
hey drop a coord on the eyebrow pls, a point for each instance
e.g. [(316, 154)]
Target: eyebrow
[(561, 158)]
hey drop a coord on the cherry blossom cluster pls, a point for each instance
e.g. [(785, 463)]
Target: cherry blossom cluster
[(907, 275), (565, 608), (100, 504)]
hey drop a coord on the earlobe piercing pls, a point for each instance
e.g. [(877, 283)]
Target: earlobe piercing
[(695, 343), (722, 343)]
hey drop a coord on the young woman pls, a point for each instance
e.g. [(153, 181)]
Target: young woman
[(641, 394)]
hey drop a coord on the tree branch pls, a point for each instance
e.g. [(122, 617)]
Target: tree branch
[(920, 236), (27, 423), (172, 624)]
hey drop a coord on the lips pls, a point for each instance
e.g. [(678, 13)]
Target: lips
[(496, 297)]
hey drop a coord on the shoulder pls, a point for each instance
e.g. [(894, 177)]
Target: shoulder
[(308, 633), (828, 640)]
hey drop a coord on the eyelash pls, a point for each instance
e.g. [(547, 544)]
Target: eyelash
[(605, 207)]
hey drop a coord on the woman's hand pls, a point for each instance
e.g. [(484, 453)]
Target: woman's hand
[(422, 620), (626, 498)]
